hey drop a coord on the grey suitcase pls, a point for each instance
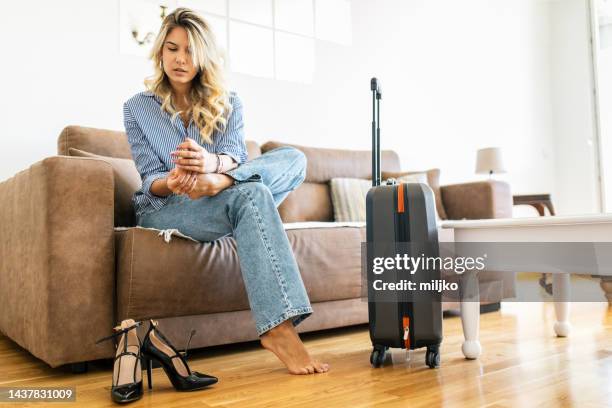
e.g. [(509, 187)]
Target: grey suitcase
[(402, 216)]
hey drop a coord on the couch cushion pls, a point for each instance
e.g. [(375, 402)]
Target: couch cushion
[(104, 142), (111, 143), (312, 200), (309, 202), (127, 181), (184, 277), (325, 164)]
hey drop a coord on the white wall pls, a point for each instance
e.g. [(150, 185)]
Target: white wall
[(456, 76), (60, 66)]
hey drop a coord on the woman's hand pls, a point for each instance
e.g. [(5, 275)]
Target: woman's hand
[(190, 156), (181, 182), (209, 185)]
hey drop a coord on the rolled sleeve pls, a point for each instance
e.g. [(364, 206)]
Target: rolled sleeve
[(231, 141), (148, 181), (148, 164)]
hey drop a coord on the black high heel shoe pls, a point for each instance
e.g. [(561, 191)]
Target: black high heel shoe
[(126, 386), (155, 346)]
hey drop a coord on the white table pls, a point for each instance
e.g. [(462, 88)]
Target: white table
[(587, 228)]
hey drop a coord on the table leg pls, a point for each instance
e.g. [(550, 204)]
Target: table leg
[(561, 292), (606, 285), (540, 208), (470, 315), (550, 207)]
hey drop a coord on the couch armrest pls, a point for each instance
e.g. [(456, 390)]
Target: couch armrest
[(57, 250), (477, 200)]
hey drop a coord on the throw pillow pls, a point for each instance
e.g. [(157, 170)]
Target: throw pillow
[(348, 198), (127, 181), (413, 178)]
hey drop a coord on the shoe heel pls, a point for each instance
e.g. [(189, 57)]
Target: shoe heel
[(146, 362), (182, 378)]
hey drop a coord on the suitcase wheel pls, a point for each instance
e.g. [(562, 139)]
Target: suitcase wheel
[(377, 358), (432, 358)]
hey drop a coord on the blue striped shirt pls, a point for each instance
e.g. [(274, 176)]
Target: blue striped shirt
[(153, 134)]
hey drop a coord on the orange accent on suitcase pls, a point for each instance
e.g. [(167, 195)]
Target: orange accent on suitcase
[(400, 198), (406, 326)]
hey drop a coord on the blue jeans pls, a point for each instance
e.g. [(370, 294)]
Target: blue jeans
[(247, 211)]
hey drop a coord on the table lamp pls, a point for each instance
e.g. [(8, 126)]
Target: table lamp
[(489, 160)]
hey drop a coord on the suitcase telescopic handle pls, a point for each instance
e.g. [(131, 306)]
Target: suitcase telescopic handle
[(376, 96)]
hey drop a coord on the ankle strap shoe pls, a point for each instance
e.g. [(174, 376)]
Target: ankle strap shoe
[(155, 346), (127, 370)]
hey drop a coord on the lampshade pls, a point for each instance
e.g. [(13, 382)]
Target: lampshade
[(489, 161)]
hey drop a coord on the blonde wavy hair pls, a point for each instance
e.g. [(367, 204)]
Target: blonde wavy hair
[(210, 105)]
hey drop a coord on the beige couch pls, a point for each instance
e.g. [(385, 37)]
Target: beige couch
[(67, 275)]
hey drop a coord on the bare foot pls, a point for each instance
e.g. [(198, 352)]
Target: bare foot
[(210, 184), (284, 341)]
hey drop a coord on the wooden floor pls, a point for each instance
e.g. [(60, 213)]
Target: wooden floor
[(523, 365)]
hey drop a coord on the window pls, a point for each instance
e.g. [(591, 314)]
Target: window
[(602, 62)]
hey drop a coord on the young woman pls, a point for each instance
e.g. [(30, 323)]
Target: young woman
[(186, 137)]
